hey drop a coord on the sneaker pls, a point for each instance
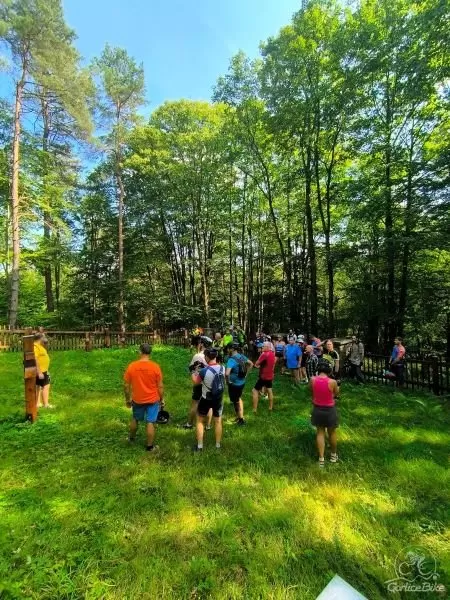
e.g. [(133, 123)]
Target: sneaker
[(241, 422), (334, 458), (321, 463), (49, 406), (197, 449), (208, 427), (131, 440), (152, 448), (187, 426)]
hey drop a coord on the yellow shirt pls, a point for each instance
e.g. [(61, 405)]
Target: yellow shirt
[(42, 358)]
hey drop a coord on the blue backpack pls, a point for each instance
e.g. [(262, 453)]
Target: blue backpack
[(218, 383)]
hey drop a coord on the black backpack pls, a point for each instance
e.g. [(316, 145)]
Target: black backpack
[(218, 383)]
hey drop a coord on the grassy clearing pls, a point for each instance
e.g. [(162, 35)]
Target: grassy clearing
[(84, 516)]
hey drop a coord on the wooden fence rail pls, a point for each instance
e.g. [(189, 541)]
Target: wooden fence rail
[(11, 341), (431, 374)]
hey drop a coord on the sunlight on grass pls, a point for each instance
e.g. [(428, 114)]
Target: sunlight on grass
[(86, 516)]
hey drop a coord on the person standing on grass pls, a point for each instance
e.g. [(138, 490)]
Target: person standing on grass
[(332, 356), (266, 363), (397, 361), (291, 335), (42, 369), (317, 345), (212, 380), (218, 345), (279, 353), (228, 339), (324, 416), (292, 355), (355, 355), (144, 394), (311, 362), (198, 362), (238, 367)]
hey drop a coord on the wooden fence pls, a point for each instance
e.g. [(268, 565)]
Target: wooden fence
[(11, 341), (432, 373), (426, 373)]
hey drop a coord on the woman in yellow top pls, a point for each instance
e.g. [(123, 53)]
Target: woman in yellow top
[(43, 376)]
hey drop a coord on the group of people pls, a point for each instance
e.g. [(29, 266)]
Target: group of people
[(223, 363), (144, 392)]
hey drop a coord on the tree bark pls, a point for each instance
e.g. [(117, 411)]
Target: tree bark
[(311, 243), (50, 303), (15, 206), (408, 227), (120, 234), (390, 325)]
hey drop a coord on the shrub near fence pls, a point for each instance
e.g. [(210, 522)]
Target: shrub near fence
[(11, 341)]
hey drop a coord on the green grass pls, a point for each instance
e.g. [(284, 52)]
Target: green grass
[(84, 516)]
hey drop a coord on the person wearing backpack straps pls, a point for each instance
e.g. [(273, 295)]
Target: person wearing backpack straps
[(212, 378), (238, 367)]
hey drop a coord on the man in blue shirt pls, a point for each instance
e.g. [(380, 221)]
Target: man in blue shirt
[(238, 366), (292, 355)]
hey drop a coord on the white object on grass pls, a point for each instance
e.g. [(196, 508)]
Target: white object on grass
[(339, 589)]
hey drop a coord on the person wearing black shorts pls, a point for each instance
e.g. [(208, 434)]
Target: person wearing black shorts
[(324, 415), (198, 362), (238, 367), (212, 401), (266, 362)]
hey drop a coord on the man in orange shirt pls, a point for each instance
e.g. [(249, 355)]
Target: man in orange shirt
[(144, 391)]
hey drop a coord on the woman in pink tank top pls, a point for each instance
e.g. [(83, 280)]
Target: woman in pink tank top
[(324, 415)]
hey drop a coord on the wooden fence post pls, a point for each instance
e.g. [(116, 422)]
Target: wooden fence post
[(107, 338), (435, 374), (30, 374), (88, 342)]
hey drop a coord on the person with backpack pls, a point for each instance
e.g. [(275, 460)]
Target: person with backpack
[(212, 380), (238, 367), (266, 362), (397, 361), (198, 362)]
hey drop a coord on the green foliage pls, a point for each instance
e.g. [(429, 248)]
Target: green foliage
[(312, 192), (85, 515)]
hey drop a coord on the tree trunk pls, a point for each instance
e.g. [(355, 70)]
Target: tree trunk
[(15, 208), (47, 217), (408, 224), (311, 243), (121, 291), (390, 325)]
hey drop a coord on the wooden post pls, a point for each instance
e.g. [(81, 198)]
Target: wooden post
[(30, 374), (435, 375), (88, 342), (107, 338)]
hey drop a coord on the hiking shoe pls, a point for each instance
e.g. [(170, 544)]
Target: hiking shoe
[(197, 449), (152, 448), (334, 458), (187, 426), (241, 422)]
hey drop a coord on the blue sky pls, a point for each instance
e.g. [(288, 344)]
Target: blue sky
[(184, 44)]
